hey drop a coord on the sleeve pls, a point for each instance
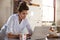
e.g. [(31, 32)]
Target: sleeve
[(29, 27), (3, 31), (6, 28), (9, 24)]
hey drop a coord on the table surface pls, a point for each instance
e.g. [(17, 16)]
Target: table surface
[(40, 34), (47, 39)]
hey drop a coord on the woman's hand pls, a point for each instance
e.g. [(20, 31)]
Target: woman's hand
[(29, 36), (10, 35)]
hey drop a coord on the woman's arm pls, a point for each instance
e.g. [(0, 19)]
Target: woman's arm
[(29, 27), (9, 24)]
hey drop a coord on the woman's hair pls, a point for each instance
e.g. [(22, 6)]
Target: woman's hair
[(23, 6)]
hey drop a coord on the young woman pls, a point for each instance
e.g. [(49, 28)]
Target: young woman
[(17, 22)]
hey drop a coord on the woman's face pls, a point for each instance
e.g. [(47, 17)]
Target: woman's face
[(23, 14)]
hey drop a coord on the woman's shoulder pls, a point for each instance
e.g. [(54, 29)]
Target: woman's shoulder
[(26, 20), (13, 16)]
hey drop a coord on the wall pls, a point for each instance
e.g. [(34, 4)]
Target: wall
[(58, 12), (5, 11), (58, 15)]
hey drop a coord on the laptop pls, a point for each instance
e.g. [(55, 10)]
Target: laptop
[(40, 32)]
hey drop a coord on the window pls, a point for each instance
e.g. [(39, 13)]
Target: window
[(48, 10)]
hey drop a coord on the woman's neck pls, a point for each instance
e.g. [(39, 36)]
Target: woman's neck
[(19, 19)]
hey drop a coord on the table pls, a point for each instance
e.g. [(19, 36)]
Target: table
[(40, 33)]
